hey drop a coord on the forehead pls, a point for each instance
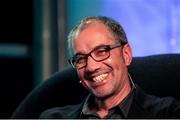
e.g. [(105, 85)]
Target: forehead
[(91, 36)]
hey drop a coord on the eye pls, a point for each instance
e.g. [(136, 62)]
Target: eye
[(101, 51), (80, 59)]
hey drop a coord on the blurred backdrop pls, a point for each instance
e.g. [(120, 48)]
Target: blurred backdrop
[(33, 37)]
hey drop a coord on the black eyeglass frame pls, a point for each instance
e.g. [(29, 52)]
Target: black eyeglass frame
[(108, 48)]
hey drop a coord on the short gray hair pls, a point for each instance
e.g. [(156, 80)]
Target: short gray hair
[(114, 27)]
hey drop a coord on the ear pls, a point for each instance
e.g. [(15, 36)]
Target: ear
[(127, 54)]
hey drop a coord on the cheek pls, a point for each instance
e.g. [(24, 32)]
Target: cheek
[(109, 60), (115, 62), (82, 79), (81, 74)]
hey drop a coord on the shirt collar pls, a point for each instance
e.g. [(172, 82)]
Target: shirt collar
[(86, 109), (126, 103)]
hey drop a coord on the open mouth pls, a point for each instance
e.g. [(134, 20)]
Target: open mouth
[(100, 77)]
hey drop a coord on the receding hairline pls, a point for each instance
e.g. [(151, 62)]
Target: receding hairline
[(88, 24)]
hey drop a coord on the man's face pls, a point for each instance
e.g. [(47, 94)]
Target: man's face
[(107, 77)]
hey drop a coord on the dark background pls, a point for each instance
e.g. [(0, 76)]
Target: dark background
[(16, 72)]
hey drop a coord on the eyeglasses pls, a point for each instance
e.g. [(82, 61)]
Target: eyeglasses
[(99, 53)]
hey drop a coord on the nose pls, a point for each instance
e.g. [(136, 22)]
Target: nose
[(92, 65)]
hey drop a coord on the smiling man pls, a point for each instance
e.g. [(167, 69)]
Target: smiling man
[(101, 55)]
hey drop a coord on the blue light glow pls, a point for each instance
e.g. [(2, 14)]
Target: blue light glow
[(152, 26)]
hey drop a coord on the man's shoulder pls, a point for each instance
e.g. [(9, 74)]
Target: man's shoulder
[(154, 106), (167, 107), (69, 111), (153, 101)]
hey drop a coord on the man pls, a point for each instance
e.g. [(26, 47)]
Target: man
[(101, 56)]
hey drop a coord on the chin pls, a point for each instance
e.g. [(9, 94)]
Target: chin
[(102, 95)]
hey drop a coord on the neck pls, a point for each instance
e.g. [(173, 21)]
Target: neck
[(104, 105)]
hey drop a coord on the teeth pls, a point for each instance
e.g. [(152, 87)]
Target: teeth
[(100, 77)]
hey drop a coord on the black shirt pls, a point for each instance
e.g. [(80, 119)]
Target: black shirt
[(120, 111), (142, 105)]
